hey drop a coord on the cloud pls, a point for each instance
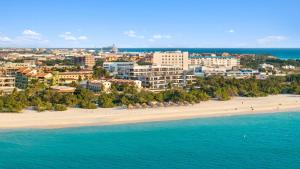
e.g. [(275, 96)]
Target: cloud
[(271, 39), (5, 39), (30, 34), (132, 34), (27, 38), (82, 38), (159, 37), (68, 36), (231, 31), (151, 40)]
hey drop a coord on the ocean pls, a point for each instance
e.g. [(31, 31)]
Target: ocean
[(282, 53), (268, 141)]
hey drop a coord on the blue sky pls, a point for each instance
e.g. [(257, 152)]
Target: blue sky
[(150, 23)]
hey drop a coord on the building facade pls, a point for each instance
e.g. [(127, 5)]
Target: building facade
[(7, 84), (214, 61), (87, 61), (26, 75), (73, 77), (156, 77), (117, 68), (177, 58)]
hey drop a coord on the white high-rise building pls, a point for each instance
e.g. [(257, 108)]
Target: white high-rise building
[(177, 58)]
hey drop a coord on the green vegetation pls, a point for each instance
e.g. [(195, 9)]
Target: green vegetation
[(41, 98), (255, 61), (98, 71), (52, 62)]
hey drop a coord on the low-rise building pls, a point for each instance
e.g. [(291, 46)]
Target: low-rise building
[(243, 73), (98, 85), (117, 68), (229, 62), (10, 68), (266, 66), (289, 67), (135, 83), (71, 77), (7, 84), (25, 75)]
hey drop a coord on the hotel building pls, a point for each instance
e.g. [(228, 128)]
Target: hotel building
[(156, 77), (228, 62), (117, 68), (177, 58)]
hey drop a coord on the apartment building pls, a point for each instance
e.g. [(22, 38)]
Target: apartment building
[(10, 69), (98, 85), (7, 84), (228, 62), (177, 58), (135, 83), (25, 75), (157, 77), (117, 68), (70, 77), (87, 61)]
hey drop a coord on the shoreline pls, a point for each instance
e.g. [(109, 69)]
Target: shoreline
[(75, 117)]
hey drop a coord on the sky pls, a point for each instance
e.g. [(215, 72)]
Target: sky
[(150, 23)]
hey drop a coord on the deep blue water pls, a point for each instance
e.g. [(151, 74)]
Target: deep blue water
[(283, 53), (270, 141)]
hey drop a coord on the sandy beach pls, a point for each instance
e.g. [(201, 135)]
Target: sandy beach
[(74, 117)]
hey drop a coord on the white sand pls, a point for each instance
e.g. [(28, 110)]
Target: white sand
[(82, 117)]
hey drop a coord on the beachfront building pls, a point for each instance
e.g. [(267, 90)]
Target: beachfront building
[(117, 68), (98, 85), (177, 58), (87, 61), (229, 62), (209, 71), (136, 83), (25, 75), (7, 84), (288, 67), (65, 78), (266, 66), (242, 74), (157, 77)]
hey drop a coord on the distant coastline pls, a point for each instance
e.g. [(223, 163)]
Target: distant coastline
[(282, 53)]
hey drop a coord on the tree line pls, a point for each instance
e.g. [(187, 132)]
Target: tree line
[(42, 98)]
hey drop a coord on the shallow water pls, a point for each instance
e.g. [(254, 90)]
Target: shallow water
[(237, 142)]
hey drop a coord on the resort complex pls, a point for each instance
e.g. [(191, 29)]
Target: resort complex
[(109, 77)]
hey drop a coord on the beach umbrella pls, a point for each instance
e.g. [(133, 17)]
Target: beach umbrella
[(166, 104), (160, 104), (138, 105), (145, 105), (186, 103), (130, 106)]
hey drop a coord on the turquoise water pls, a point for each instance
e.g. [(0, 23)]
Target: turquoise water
[(283, 53), (270, 141)]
